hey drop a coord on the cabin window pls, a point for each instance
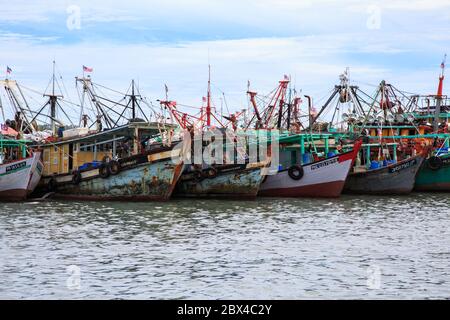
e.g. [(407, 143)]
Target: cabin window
[(85, 148)]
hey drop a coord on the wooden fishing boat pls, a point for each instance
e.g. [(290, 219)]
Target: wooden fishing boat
[(395, 178), (324, 178), (109, 154), (223, 181), (127, 170), (227, 179), (20, 170), (434, 174), (414, 125)]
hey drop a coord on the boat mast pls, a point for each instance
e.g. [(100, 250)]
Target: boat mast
[(52, 101), (133, 101), (437, 110), (208, 103)]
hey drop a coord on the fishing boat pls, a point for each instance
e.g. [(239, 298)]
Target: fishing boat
[(117, 156), (20, 167), (434, 175), (110, 165), (323, 178), (225, 181), (226, 178), (400, 139), (316, 172), (435, 172), (385, 177)]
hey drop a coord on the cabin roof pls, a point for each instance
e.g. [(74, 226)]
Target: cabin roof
[(125, 130)]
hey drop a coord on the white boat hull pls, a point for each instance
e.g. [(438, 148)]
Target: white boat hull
[(19, 178), (324, 179)]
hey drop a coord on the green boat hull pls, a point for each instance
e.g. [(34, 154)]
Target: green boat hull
[(434, 180)]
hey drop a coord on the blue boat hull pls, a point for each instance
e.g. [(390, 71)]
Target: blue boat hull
[(233, 182), (138, 182)]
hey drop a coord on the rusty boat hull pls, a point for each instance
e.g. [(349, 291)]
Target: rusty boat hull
[(398, 178), (231, 181), (150, 177)]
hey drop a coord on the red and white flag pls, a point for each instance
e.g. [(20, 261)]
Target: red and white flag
[(87, 69), (204, 99)]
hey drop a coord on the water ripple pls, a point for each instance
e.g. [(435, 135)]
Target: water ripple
[(264, 249)]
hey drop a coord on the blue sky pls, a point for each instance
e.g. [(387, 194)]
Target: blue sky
[(158, 42)]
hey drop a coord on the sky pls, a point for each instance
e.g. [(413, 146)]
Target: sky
[(173, 41)]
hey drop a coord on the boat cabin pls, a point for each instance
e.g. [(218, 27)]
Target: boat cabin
[(80, 149), (12, 150)]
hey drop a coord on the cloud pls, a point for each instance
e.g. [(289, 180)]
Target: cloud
[(172, 42)]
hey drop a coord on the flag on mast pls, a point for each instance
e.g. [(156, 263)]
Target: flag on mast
[(87, 69), (8, 70)]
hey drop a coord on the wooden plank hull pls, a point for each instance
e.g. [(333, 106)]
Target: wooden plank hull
[(397, 178), (434, 180), (323, 179), (232, 181), (152, 180), (19, 178)]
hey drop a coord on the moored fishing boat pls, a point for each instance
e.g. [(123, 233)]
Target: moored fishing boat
[(434, 175), (435, 172), (20, 169), (393, 118), (223, 181), (324, 178), (126, 171), (307, 165), (221, 178), (118, 156), (394, 178)]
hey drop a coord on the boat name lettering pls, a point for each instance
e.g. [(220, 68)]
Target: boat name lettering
[(403, 166), (324, 164), (129, 163), (16, 166)]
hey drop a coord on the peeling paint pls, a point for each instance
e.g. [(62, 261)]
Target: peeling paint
[(237, 183)]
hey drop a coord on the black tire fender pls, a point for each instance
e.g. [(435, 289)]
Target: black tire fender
[(211, 173), (434, 163), (103, 171), (198, 175), (114, 167), (76, 177), (296, 172), (52, 185)]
